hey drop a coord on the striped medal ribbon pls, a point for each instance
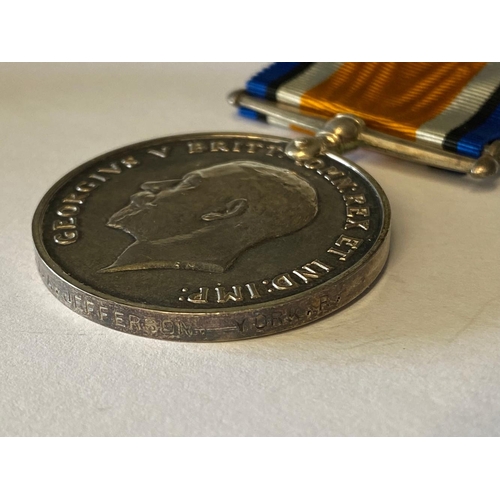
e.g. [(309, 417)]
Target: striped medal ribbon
[(442, 114)]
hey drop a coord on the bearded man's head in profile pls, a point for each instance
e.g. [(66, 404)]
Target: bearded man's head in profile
[(207, 219)]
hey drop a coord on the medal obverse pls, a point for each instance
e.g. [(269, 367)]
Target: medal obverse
[(211, 237)]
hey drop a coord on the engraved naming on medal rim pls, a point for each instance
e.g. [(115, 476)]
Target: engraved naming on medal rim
[(211, 237)]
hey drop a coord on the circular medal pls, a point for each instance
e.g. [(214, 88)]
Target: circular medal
[(211, 237)]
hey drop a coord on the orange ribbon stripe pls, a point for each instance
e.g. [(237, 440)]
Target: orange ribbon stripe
[(395, 98)]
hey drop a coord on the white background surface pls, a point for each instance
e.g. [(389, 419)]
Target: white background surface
[(418, 355)]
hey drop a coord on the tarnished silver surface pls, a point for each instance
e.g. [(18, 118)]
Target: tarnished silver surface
[(211, 237)]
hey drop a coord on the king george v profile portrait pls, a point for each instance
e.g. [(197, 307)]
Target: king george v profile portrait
[(207, 219)]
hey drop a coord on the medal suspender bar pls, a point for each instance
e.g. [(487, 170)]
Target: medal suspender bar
[(446, 115)]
